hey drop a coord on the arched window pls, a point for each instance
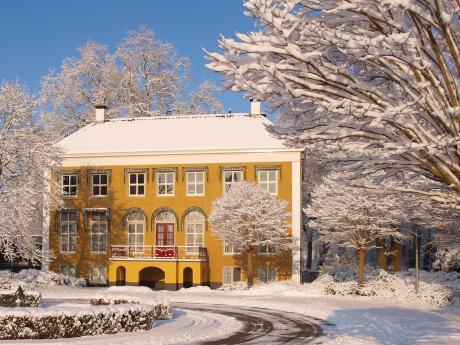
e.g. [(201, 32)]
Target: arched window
[(165, 223), (135, 223), (194, 228)]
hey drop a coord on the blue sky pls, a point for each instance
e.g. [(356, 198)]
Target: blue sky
[(37, 35)]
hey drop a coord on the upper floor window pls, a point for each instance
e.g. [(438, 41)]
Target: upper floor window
[(69, 184), (136, 183), (195, 183), (268, 180), (230, 249), (194, 226), (230, 178), (135, 223), (68, 230), (99, 184), (98, 224), (165, 183), (267, 249)]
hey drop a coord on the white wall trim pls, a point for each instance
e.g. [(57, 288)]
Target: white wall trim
[(185, 158), (46, 221), (296, 219)]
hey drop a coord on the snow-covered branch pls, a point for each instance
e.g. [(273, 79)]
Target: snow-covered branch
[(376, 81)]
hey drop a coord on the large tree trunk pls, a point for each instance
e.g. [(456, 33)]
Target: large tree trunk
[(362, 258), (380, 250), (250, 273), (396, 256)]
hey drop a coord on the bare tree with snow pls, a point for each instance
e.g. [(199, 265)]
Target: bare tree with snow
[(143, 77), (355, 215), (26, 159), (377, 81), (247, 217)]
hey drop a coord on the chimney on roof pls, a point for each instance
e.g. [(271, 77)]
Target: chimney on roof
[(100, 112), (255, 107)]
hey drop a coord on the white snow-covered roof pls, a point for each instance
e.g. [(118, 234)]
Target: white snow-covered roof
[(173, 133)]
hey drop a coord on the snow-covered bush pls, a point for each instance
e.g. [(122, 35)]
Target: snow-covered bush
[(162, 309), (54, 322), (19, 297), (235, 286), (437, 288), (38, 279), (447, 260)]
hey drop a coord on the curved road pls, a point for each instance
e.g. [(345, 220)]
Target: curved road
[(259, 325), (262, 326)]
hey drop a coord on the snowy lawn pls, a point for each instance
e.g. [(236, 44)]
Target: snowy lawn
[(357, 319)]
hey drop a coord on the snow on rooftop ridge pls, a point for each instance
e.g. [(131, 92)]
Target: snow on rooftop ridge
[(195, 116), (174, 133)]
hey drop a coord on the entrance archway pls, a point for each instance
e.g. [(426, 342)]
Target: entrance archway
[(121, 276), (153, 277), (188, 277)]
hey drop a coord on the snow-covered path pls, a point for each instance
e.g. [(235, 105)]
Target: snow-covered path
[(262, 325), (357, 320)]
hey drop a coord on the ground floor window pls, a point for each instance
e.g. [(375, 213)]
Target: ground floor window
[(68, 270), (98, 224), (98, 275), (68, 229), (232, 274), (267, 274)]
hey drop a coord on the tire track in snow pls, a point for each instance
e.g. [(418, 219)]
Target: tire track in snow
[(262, 326)]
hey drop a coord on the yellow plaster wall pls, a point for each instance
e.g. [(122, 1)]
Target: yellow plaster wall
[(120, 202)]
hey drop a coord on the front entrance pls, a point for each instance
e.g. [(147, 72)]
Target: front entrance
[(153, 277)]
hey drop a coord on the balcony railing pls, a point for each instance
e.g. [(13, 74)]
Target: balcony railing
[(159, 252)]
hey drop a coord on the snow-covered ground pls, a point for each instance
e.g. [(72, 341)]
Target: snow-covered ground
[(357, 319), (395, 316)]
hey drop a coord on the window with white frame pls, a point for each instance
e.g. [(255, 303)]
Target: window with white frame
[(135, 223), (98, 224), (268, 180), (69, 184), (267, 274), (68, 230), (230, 178), (269, 249), (165, 183), (195, 183), (99, 184), (68, 270), (194, 228), (230, 249), (136, 183), (98, 275), (232, 274)]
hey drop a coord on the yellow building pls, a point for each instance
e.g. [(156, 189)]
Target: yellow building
[(137, 194)]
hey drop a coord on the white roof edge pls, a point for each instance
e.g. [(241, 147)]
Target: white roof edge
[(162, 153)]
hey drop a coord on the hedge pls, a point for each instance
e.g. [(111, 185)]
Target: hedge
[(19, 298), (58, 322), (162, 308)]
